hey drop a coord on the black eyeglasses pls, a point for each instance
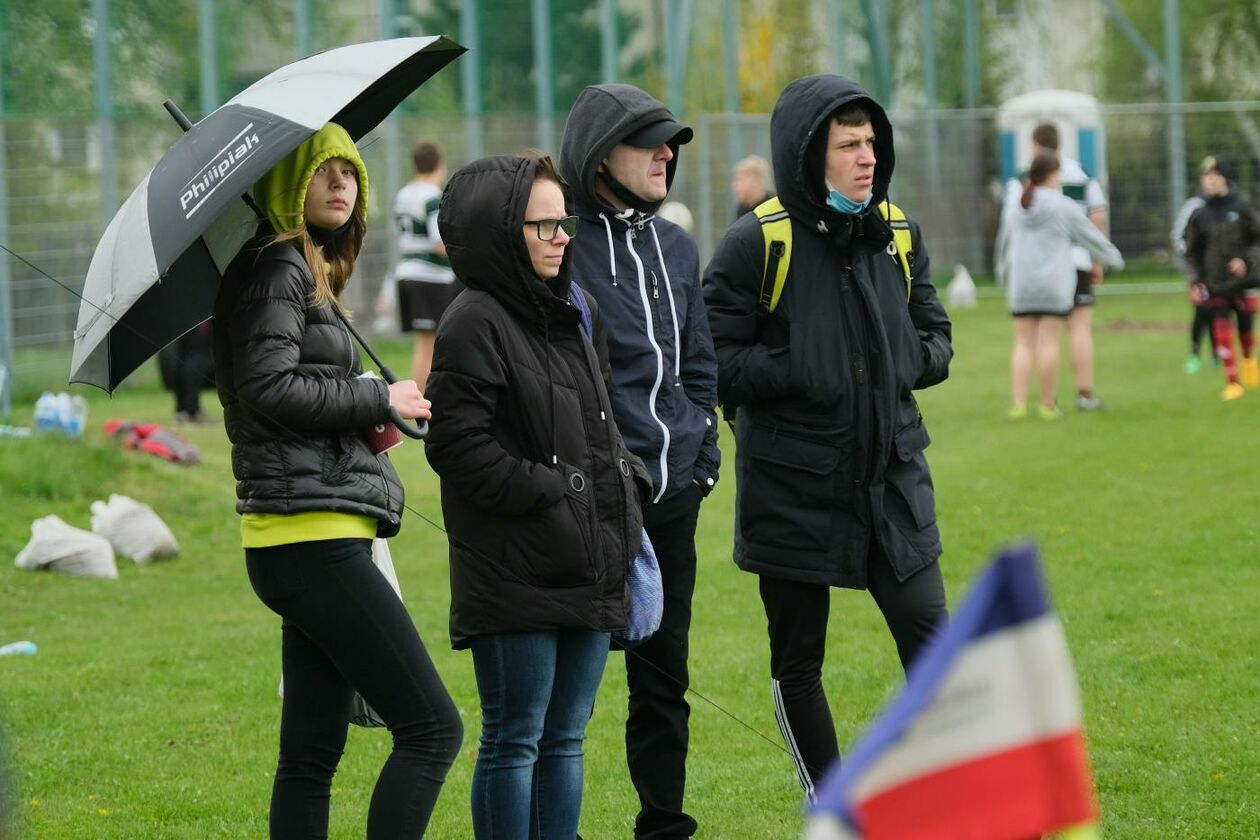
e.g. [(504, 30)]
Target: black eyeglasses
[(547, 227)]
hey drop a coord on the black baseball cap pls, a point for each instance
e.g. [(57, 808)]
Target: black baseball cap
[(662, 131)]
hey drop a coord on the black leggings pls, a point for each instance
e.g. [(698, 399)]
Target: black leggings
[(344, 630)]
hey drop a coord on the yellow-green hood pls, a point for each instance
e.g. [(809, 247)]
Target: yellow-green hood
[(281, 193)]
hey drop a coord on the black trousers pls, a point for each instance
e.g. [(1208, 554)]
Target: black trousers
[(344, 630), (656, 729), (797, 615)]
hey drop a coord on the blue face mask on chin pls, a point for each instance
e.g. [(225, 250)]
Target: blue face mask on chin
[(838, 201)]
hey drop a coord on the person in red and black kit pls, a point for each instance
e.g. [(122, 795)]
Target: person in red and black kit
[(1223, 264)]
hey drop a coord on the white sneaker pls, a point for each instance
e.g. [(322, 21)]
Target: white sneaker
[(1084, 403)]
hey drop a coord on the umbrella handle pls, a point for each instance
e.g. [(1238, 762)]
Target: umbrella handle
[(417, 431)]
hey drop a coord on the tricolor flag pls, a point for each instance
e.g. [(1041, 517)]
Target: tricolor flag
[(985, 739)]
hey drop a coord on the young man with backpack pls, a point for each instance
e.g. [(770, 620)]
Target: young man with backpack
[(824, 319), (618, 154)]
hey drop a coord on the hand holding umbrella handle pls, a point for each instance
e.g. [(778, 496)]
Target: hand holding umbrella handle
[(420, 428)]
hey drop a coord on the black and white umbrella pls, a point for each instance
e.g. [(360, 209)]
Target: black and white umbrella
[(156, 270)]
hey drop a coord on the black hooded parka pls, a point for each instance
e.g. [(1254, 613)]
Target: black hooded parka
[(1224, 228), (539, 493), (829, 457)]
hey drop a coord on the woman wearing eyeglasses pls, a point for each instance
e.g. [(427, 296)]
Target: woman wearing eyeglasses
[(540, 495)]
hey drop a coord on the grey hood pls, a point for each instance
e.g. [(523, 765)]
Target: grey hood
[(602, 117)]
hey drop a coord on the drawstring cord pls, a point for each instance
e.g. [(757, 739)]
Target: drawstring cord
[(612, 259), (673, 311)]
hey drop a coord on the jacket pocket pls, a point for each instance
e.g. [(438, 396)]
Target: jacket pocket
[(787, 491), (335, 459), (552, 546), (909, 476), (911, 439)]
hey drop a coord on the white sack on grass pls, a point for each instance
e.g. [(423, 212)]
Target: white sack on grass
[(361, 714), (961, 290), (78, 553), (133, 529)]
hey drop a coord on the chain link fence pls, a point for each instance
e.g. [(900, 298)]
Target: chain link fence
[(947, 177)]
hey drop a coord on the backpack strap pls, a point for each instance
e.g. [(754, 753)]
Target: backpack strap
[(902, 245), (776, 229)]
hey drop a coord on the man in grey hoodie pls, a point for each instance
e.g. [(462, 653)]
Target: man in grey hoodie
[(619, 153)]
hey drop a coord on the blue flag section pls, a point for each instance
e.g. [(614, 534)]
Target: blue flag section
[(985, 739)]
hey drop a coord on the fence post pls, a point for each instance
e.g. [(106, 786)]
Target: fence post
[(1176, 115), (393, 147), (208, 47), (470, 78), (101, 67), (704, 134), (6, 291), (544, 79), (730, 61), (302, 27), (608, 41)]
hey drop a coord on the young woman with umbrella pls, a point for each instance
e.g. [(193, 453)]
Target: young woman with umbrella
[(313, 496)]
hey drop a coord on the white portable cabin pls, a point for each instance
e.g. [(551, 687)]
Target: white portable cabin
[(1081, 133)]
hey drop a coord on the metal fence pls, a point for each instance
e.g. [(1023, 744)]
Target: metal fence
[(946, 177)]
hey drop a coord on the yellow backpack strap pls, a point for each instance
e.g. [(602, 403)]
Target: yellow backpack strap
[(776, 229), (902, 245)]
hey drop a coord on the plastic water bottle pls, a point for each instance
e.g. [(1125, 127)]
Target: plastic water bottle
[(63, 412), (75, 419), (46, 419), (22, 648)]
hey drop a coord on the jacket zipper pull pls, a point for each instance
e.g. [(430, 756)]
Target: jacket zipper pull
[(655, 292)]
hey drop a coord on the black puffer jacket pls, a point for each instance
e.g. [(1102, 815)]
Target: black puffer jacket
[(538, 489), (1224, 228), (294, 411), (830, 441)]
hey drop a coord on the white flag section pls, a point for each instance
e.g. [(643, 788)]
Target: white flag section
[(985, 739)]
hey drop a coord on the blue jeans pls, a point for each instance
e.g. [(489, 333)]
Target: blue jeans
[(537, 691)]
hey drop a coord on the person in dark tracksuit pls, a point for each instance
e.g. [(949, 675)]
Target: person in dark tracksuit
[(619, 153), (1223, 265), (832, 487), (540, 495)]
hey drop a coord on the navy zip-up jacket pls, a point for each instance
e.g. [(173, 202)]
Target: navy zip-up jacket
[(644, 272)]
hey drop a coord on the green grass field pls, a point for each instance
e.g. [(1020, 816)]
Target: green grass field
[(151, 711)]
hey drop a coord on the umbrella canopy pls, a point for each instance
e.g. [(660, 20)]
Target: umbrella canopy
[(156, 270)]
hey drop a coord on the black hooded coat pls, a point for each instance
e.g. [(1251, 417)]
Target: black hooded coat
[(829, 438), (1224, 228), (539, 493)]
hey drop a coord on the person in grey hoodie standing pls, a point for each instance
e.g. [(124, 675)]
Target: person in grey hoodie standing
[(619, 154), (1035, 258)]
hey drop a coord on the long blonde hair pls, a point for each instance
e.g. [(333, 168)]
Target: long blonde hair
[(331, 270)]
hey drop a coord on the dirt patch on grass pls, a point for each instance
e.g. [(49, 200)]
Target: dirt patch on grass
[(1133, 325)]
